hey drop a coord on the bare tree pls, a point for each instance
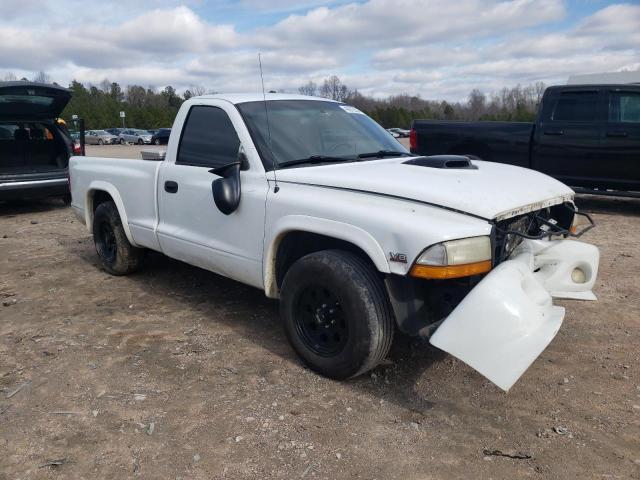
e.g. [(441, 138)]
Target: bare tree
[(105, 85), (309, 88), (334, 89), (42, 77), (476, 104)]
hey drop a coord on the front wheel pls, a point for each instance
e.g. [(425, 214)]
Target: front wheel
[(100, 142), (122, 142), (118, 256), (336, 313), (140, 141)]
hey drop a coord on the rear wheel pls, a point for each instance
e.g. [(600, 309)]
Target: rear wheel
[(157, 141), (118, 256), (336, 313)]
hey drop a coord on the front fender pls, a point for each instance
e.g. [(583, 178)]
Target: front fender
[(322, 226)]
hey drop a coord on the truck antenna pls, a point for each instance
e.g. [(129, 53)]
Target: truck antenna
[(276, 188)]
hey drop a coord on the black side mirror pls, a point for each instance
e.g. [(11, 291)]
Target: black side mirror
[(242, 158), (226, 190)]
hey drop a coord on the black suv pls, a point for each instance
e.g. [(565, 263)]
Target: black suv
[(34, 147), (161, 137)]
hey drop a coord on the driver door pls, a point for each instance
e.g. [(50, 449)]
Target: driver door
[(191, 228)]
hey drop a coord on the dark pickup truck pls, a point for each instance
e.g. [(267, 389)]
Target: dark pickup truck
[(587, 136)]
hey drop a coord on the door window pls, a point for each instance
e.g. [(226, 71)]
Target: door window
[(208, 139), (624, 107), (576, 107)]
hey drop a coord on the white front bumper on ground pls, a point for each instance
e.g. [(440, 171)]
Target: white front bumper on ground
[(508, 319)]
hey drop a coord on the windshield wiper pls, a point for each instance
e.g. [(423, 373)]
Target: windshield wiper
[(384, 153), (314, 159)]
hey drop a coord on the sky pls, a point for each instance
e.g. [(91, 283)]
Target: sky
[(438, 49)]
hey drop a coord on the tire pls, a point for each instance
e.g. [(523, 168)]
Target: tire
[(66, 199), (156, 141), (140, 141), (336, 294), (122, 142), (100, 142), (117, 255)]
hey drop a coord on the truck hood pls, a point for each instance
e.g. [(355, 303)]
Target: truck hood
[(491, 191)]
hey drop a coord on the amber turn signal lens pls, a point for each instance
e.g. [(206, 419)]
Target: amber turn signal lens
[(451, 271)]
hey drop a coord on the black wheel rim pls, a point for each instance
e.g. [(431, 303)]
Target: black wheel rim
[(320, 321), (108, 244)]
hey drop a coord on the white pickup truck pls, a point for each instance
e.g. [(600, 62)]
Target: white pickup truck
[(316, 204)]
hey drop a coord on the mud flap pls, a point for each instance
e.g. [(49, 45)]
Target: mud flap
[(503, 324)]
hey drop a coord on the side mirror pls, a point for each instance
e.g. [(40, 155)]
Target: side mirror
[(226, 190), (242, 158)]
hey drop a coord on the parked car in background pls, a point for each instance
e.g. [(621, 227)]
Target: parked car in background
[(134, 135), (99, 137), (153, 131), (587, 136), (161, 137), (114, 131), (393, 134), (402, 132), (34, 147)]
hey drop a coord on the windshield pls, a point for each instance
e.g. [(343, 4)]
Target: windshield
[(302, 129)]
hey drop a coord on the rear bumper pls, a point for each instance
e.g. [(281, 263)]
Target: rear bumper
[(508, 319), (34, 188)]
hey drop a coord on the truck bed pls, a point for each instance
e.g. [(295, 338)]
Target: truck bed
[(131, 182), (503, 142)]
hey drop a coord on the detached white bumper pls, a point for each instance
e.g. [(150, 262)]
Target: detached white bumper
[(508, 319)]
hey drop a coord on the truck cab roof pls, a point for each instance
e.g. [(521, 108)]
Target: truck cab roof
[(236, 98)]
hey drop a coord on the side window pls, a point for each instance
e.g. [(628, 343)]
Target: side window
[(576, 107), (624, 107), (208, 139)]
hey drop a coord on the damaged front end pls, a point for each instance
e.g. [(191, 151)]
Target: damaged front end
[(499, 323)]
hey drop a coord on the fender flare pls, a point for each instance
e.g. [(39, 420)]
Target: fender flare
[(100, 185), (322, 226)]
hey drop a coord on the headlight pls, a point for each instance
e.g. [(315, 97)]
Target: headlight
[(454, 259)]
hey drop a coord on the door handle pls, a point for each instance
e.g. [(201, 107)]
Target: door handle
[(617, 134), (553, 132), (170, 186)]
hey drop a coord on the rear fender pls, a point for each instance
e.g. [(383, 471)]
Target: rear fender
[(99, 185)]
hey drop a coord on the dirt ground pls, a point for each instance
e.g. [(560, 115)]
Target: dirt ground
[(177, 373)]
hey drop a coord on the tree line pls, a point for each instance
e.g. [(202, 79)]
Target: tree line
[(509, 104), (146, 108)]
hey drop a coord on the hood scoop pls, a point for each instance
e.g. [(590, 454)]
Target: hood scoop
[(449, 162)]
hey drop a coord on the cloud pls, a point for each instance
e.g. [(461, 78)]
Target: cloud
[(435, 48), (282, 5), (378, 22)]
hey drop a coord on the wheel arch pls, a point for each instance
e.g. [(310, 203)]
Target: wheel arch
[(296, 236), (99, 192)]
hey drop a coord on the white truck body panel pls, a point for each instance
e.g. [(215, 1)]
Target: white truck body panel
[(471, 191), (381, 206)]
